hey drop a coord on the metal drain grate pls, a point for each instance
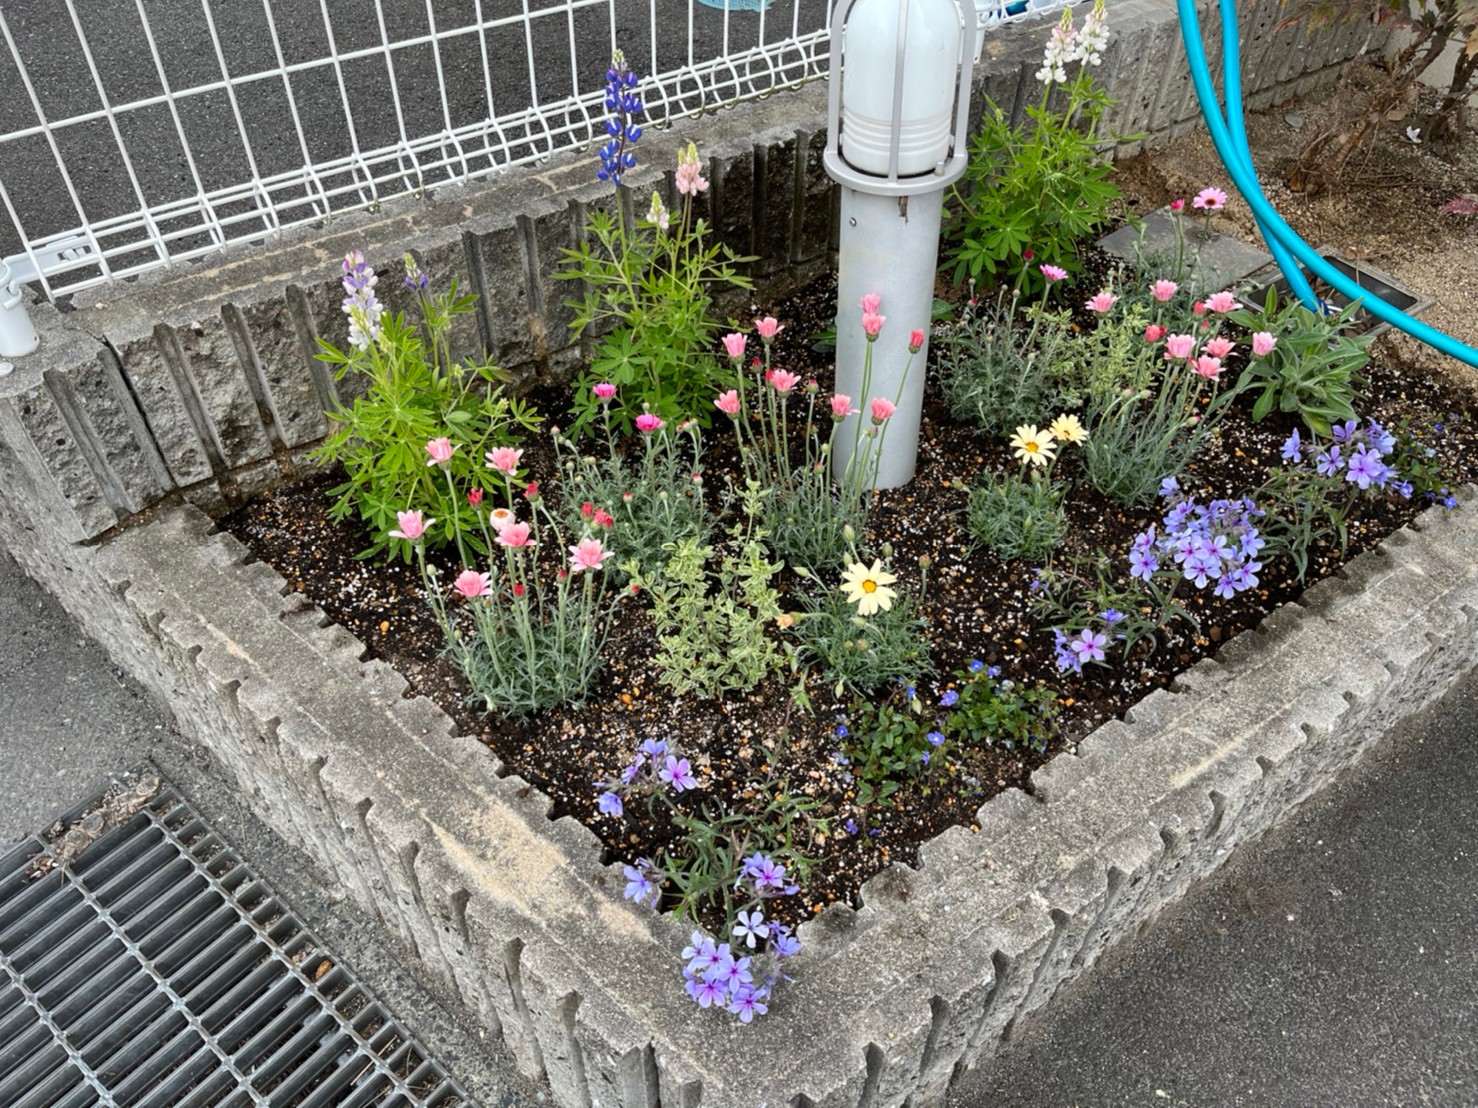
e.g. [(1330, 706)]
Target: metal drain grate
[(158, 970)]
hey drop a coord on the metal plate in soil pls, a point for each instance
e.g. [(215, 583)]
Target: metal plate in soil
[(155, 968)]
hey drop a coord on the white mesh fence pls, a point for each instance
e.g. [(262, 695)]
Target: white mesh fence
[(141, 133)]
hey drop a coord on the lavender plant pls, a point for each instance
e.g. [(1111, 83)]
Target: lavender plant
[(996, 375)]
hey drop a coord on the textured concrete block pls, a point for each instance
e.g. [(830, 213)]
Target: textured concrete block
[(42, 455), (295, 387), (222, 388)]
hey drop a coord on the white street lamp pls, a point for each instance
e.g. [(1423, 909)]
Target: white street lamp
[(896, 131)]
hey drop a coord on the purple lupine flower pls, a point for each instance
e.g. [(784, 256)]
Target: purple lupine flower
[(360, 303), (624, 104), (1293, 447), (751, 926), (610, 804), (676, 772), (1329, 462)]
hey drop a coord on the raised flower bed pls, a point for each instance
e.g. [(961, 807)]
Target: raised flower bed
[(523, 915)]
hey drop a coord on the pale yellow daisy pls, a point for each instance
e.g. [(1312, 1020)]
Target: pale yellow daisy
[(867, 587), (1066, 428), (1033, 446)]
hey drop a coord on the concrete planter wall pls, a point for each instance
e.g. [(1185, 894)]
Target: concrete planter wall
[(150, 406)]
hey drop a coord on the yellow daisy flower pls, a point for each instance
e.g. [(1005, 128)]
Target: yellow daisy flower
[(1066, 428), (1033, 446), (867, 587)]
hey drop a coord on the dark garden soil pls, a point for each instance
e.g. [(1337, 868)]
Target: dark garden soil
[(753, 746)]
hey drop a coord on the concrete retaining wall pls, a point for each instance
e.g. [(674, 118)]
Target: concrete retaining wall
[(202, 382), (519, 915)]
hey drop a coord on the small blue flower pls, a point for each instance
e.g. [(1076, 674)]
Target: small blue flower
[(842, 731), (976, 666), (994, 671), (639, 887), (935, 738), (1293, 447), (1169, 487), (610, 804), (949, 698), (851, 826)]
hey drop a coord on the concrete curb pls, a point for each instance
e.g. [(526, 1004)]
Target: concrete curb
[(520, 917), (202, 382)]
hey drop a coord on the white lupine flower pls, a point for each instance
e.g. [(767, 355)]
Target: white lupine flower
[(1092, 37)]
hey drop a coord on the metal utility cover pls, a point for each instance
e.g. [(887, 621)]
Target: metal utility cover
[(155, 968)]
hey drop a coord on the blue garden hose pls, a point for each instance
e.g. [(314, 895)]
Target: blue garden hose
[(1231, 146)]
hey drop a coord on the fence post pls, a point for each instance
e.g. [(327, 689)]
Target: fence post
[(17, 335)]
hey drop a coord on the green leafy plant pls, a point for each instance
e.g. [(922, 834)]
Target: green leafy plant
[(1016, 516), (997, 376), (524, 641), (712, 644), (649, 496), (858, 652), (992, 711), (414, 394), (654, 282), (1112, 356), (1313, 371), (1039, 189), (888, 742)]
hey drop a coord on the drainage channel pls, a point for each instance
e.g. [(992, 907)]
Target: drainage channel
[(156, 969)]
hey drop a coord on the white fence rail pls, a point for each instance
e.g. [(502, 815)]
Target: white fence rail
[(136, 134)]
